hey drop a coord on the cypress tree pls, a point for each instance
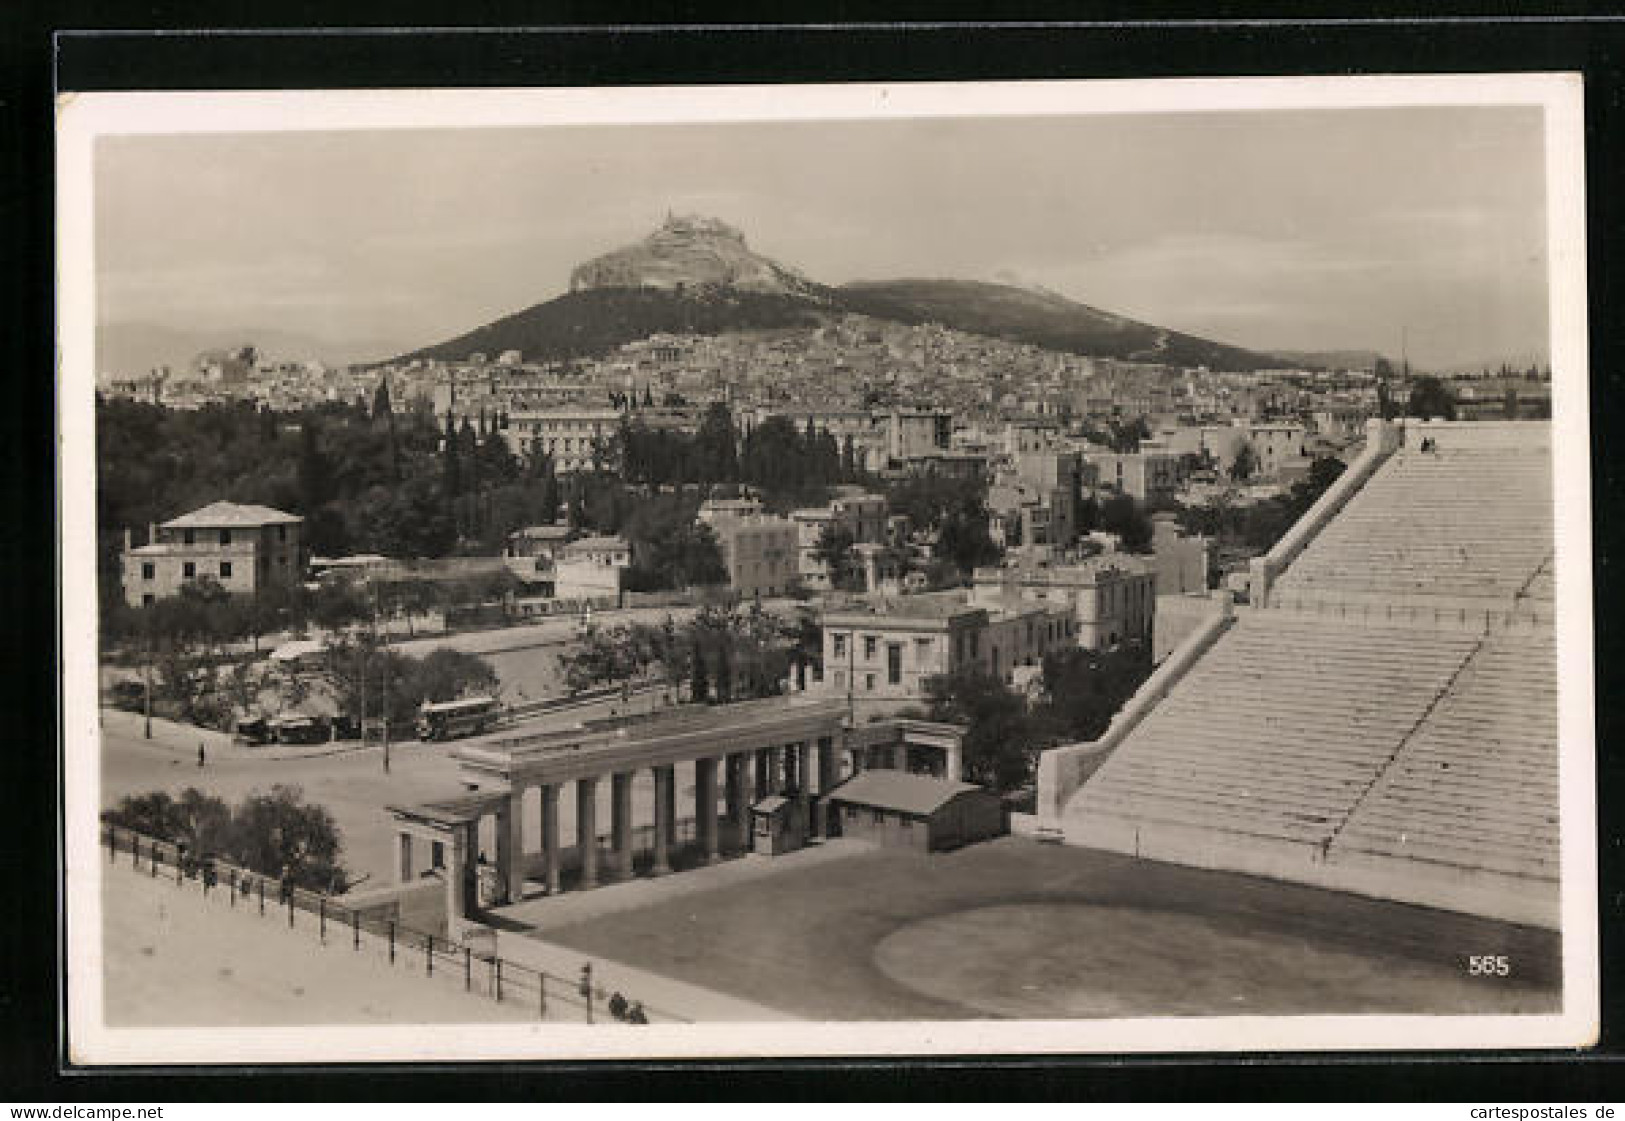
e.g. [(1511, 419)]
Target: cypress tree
[(315, 475), (725, 676), (699, 685), (451, 476)]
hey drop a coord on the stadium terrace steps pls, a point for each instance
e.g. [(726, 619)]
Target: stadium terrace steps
[(1280, 729), (1473, 523), (1475, 791), (1391, 748), (1388, 724)]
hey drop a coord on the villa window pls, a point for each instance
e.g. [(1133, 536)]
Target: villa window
[(188, 537), (147, 572), (870, 644), (225, 570), (225, 537), (188, 570)]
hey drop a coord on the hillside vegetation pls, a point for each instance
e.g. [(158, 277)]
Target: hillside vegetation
[(595, 321), (1040, 319)]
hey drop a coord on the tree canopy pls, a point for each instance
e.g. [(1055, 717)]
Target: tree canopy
[(266, 833)]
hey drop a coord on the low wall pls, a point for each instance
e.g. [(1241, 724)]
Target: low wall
[(1061, 770), (1523, 900), (419, 904)]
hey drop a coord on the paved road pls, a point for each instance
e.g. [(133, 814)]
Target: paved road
[(350, 783)]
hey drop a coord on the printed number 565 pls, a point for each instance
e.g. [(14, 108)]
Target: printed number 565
[(1488, 965)]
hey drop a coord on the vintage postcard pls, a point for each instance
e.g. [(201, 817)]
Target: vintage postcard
[(1026, 567)]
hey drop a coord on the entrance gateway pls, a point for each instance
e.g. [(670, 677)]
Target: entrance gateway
[(741, 753)]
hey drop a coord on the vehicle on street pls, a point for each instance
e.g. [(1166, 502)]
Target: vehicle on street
[(450, 719)]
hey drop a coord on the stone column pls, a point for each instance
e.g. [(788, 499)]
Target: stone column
[(620, 816), (733, 788), (587, 829), (550, 836), (406, 857), (665, 784), (705, 807), (899, 756), (457, 877), (511, 845), (953, 761), (787, 768)]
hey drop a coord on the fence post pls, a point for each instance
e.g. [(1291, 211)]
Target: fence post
[(112, 844), (152, 860), (541, 995), (355, 927), (391, 941), (231, 887), (428, 955), (177, 866), (262, 897), (468, 969), (291, 890), (321, 907)]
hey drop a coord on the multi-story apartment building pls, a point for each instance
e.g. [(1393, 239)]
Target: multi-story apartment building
[(860, 513), (591, 568), (889, 648), (575, 439), (759, 551), (1143, 474), (242, 548), (916, 432), (1276, 447), (1110, 599)]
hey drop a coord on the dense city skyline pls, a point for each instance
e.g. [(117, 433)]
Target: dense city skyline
[(1287, 229)]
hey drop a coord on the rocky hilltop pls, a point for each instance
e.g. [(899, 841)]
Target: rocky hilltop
[(696, 275), (691, 252)]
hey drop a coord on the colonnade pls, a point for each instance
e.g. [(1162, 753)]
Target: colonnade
[(735, 779)]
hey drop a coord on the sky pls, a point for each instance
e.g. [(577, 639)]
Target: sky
[(1302, 229)]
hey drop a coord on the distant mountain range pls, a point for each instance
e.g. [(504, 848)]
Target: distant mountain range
[(698, 275), (130, 349), (1329, 359)]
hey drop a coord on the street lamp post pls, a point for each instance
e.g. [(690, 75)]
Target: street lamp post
[(146, 682)]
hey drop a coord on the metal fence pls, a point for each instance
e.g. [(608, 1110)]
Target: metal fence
[(331, 922)]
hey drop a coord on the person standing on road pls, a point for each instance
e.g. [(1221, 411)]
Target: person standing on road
[(200, 755)]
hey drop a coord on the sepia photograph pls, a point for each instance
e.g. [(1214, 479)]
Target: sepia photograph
[(950, 568)]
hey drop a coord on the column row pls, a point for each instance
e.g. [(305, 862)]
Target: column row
[(736, 778)]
